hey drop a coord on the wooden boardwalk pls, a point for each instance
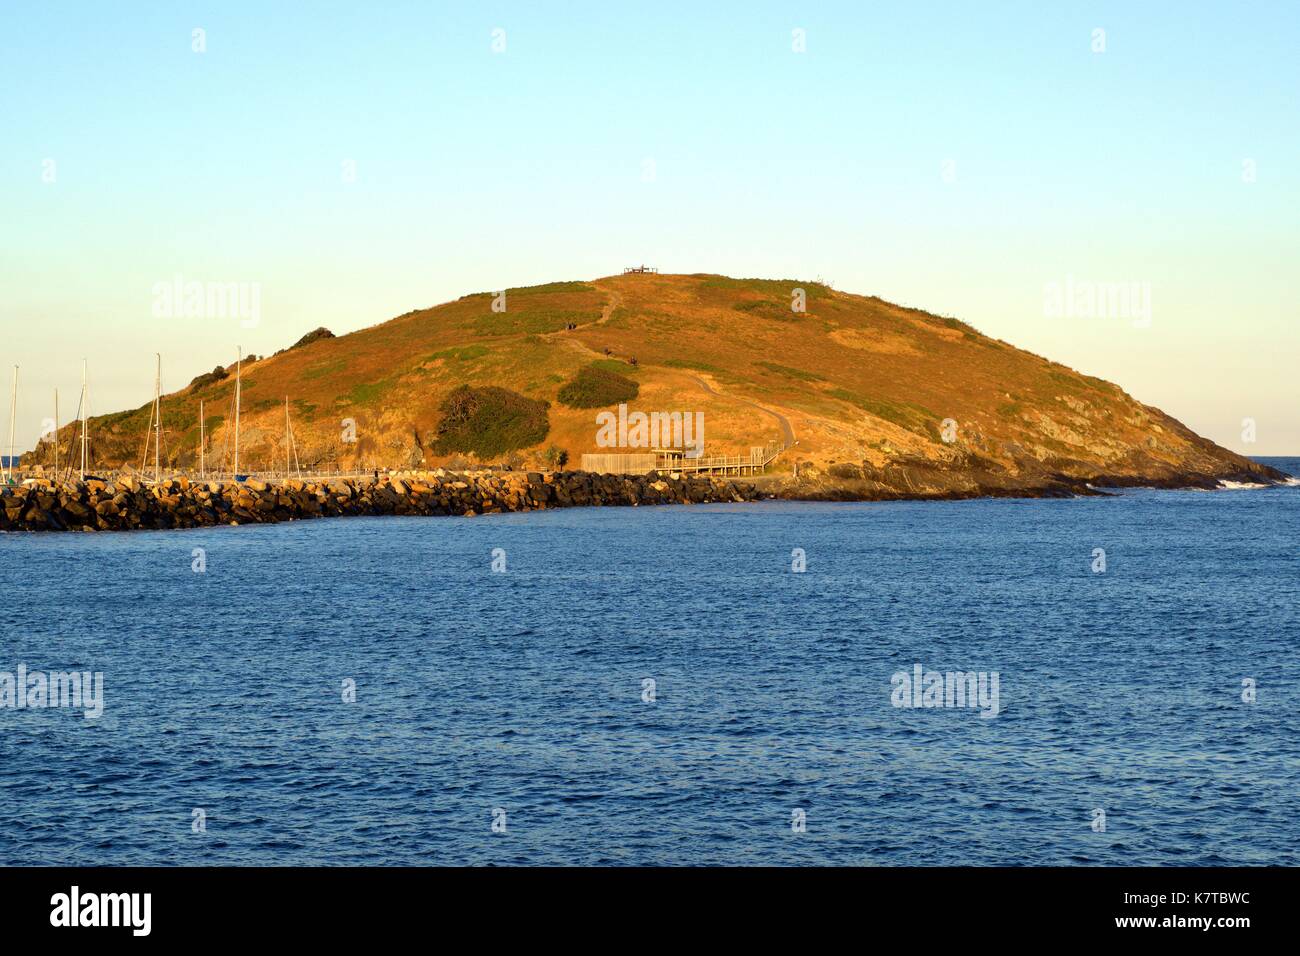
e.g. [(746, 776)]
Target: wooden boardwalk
[(754, 463)]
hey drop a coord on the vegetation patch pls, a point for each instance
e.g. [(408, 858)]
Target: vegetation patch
[(133, 415), (322, 369), (489, 421), (367, 393), (555, 457), (533, 321), (465, 353), (209, 378), (788, 372), (315, 335), (597, 387), (772, 288), (696, 366), (550, 287), (764, 308), (765, 298), (1071, 383), (950, 323), (616, 366), (915, 418)]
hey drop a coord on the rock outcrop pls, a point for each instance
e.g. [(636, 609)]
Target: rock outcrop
[(974, 476)]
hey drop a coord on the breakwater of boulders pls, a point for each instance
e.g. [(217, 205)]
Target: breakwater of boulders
[(129, 503)]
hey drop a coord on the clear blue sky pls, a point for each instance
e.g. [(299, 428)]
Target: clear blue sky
[(478, 170)]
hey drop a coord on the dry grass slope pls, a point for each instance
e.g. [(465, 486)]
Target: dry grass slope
[(863, 383)]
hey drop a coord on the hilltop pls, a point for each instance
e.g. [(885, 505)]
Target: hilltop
[(882, 400)]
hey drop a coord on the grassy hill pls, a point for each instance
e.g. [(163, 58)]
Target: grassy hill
[(860, 383)]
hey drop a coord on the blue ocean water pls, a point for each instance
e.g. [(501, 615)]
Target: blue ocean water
[(520, 697)]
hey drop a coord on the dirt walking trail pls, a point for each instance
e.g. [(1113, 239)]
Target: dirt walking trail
[(615, 300), (787, 432)]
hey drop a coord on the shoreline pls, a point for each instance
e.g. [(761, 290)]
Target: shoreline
[(924, 480), (128, 504)]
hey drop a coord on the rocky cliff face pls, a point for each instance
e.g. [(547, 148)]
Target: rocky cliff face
[(975, 477), (874, 399)]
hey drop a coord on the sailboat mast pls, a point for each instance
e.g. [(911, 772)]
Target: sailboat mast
[(286, 436), (238, 362), (84, 400), (13, 421), (56, 434), (203, 469), (157, 415)]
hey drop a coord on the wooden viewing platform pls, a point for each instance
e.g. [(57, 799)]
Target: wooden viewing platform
[(674, 459), (640, 270)]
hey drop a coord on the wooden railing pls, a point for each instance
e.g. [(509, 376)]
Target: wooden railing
[(757, 460)]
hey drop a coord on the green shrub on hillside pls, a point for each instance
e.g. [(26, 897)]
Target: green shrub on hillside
[(315, 335), (489, 421), (208, 378), (596, 386), (556, 458)]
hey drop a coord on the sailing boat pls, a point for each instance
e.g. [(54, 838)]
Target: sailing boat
[(13, 422), (56, 433), (85, 435), (203, 465), (236, 400), (239, 361), (289, 442), (155, 424), (234, 472)]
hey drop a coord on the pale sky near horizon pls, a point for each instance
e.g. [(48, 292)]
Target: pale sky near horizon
[(951, 156)]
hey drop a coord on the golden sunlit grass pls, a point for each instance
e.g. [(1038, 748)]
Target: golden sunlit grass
[(857, 378)]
